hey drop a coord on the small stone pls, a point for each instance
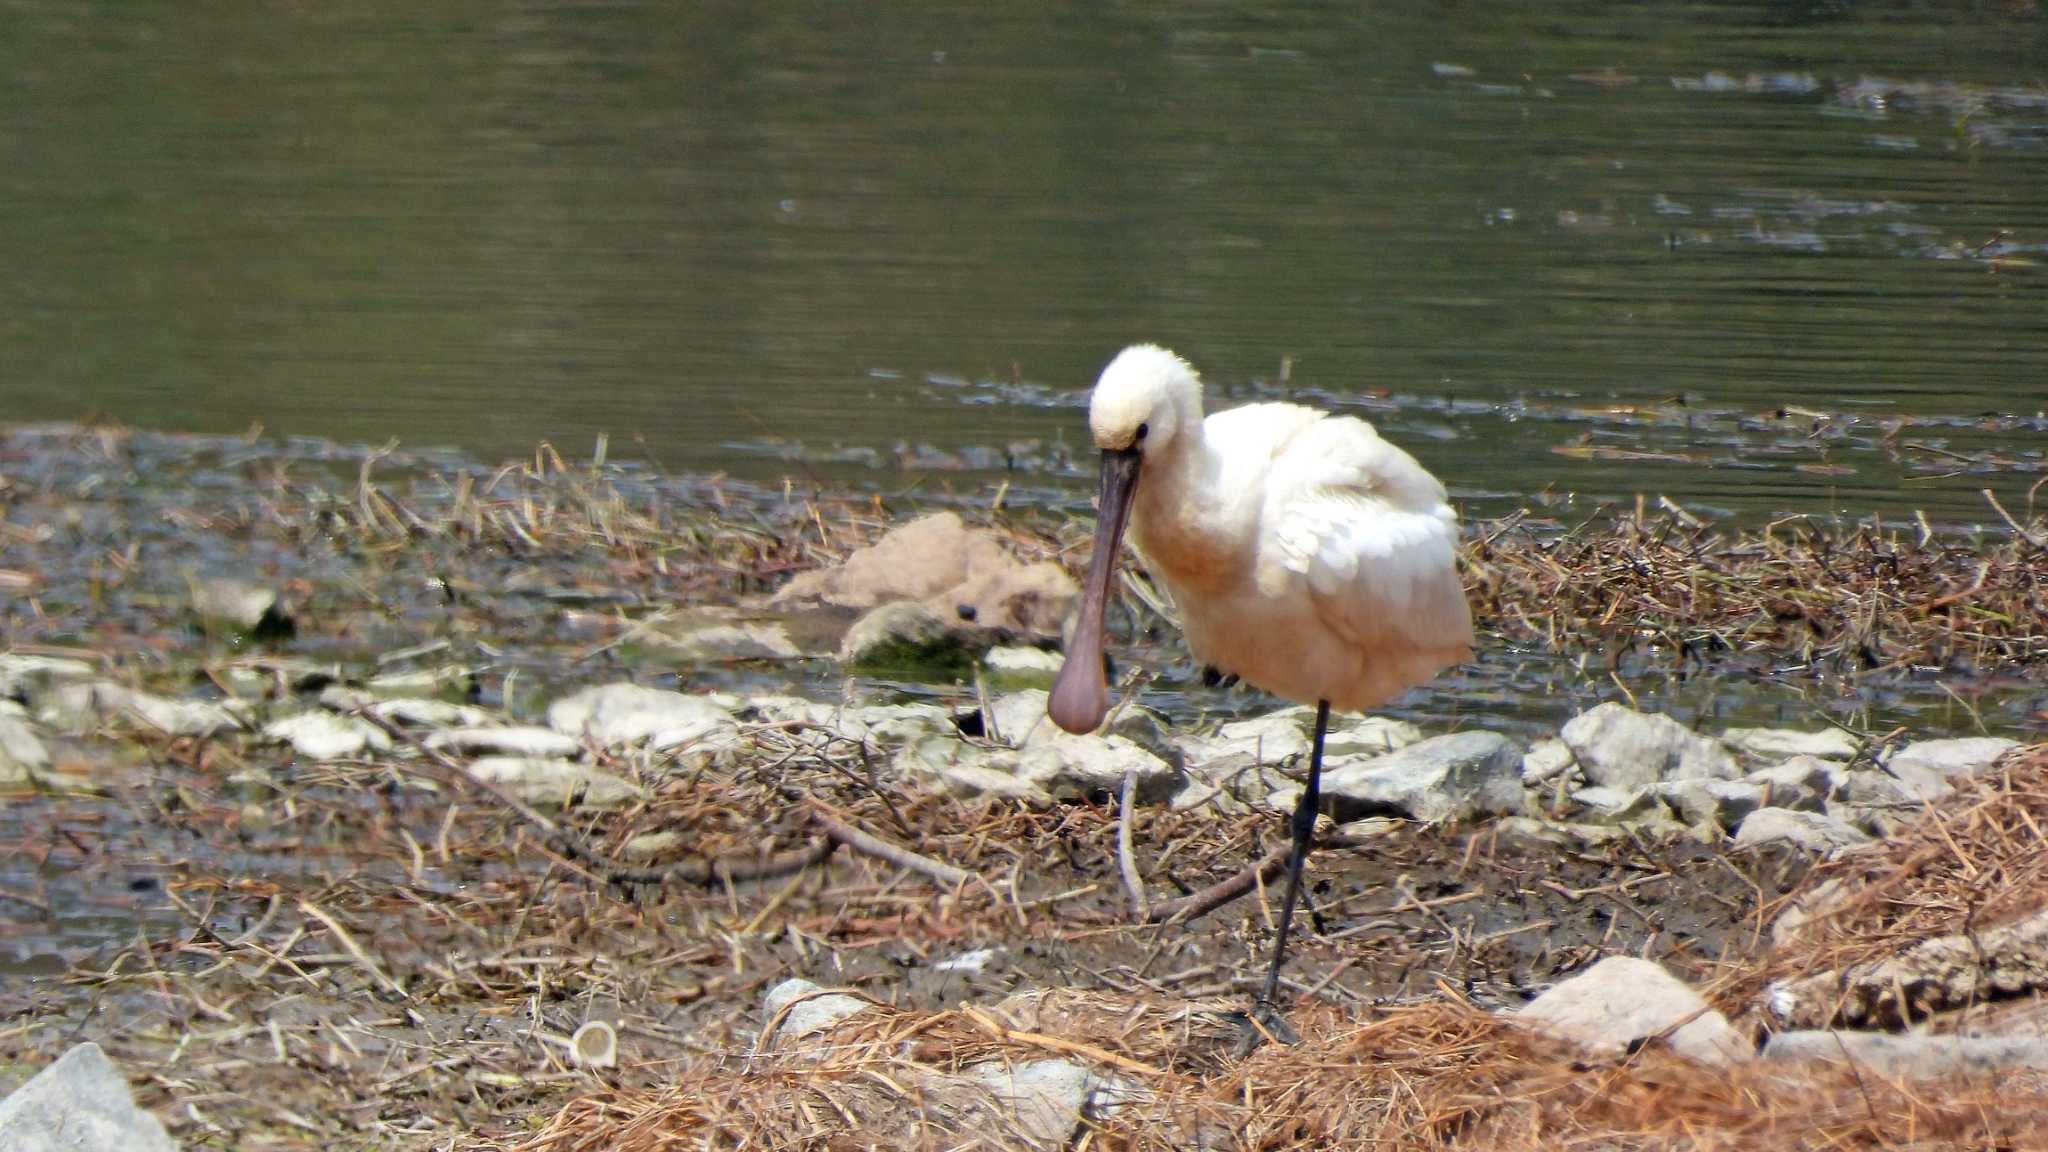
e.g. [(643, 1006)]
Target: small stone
[(809, 1007), (79, 1104), (1090, 767), (1720, 803), (1963, 756), (619, 714), (410, 711), (1775, 745), (1623, 1000), (523, 740), (1619, 747), (239, 606), (325, 736), (648, 845), (1020, 722), (907, 638), (1809, 831), (1912, 1056), (1043, 1101), (446, 681), (1368, 736), (554, 783), (958, 768), (1020, 667), (22, 754), (1456, 777), (21, 677), (1546, 760), (1800, 782), (1528, 833), (976, 961), (80, 705), (1617, 805)]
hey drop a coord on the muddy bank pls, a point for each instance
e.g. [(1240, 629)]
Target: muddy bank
[(360, 783)]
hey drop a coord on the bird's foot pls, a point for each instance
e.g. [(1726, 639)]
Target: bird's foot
[(1214, 677), (1262, 1025)]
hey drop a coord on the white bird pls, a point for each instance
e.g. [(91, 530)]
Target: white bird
[(1306, 555)]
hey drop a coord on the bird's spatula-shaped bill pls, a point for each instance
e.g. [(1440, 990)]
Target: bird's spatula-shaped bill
[(1080, 696)]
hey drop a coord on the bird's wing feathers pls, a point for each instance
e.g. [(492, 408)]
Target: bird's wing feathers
[(1371, 534)]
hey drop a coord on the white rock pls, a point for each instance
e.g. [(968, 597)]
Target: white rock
[(1016, 662), (1546, 760), (234, 603), (1963, 756), (79, 1104), (554, 783), (1774, 745), (1270, 739), (1043, 1101), (521, 740), (1021, 722), (958, 768), (1455, 777), (1530, 834), (1623, 1000), (648, 845), (450, 678), (1912, 1057), (811, 1008), (78, 705), (1621, 748), (895, 723), (412, 711), (1088, 767), (21, 675), (1799, 782), (616, 714), (21, 751), (976, 961), (325, 736), (1618, 805), (1722, 803), (1810, 831)]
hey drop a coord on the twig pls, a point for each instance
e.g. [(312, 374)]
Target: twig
[(869, 844), (761, 866), (2018, 530), (349, 942), (1003, 1031), (1134, 885), (1222, 892)]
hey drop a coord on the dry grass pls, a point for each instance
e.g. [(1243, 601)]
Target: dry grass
[(1434, 1076), (1972, 869)]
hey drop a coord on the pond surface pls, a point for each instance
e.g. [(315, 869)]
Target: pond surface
[(1558, 249)]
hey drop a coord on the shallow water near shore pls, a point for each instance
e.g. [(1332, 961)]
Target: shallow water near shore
[(1759, 259)]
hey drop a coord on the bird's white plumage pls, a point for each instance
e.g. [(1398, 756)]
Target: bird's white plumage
[(1305, 553)]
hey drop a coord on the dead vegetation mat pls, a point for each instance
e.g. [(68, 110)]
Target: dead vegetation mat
[(1949, 914), (1437, 1075)]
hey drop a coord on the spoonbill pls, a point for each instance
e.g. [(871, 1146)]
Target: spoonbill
[(1307, 556)]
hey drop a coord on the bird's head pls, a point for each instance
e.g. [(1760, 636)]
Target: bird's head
[(1145, 398), (1147, 401)]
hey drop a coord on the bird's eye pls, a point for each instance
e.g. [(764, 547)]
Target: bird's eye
[(1142, 429)]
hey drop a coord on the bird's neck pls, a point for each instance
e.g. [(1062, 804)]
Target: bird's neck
[(1188, 522)]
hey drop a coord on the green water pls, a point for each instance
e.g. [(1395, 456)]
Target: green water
[(837, 238)]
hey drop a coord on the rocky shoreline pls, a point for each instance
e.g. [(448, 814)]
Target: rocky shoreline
[(329, 854)]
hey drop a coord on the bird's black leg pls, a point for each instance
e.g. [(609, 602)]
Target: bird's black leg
[(1304, 834)]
